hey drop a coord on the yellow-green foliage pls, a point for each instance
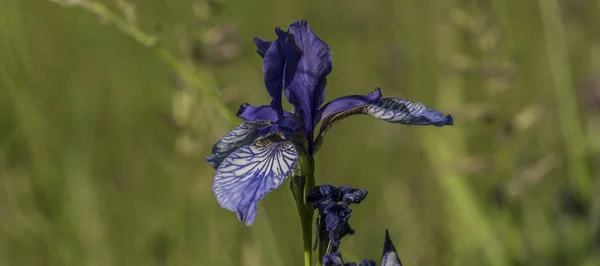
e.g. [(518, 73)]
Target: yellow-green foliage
[(107, 109)]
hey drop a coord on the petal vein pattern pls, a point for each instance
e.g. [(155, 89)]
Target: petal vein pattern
[(391, 110), (402, 111), (251, 172), (242, 135)]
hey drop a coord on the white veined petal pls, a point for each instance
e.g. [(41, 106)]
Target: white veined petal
[(392, 110), (401, 111), (252, 171), (242, 135)]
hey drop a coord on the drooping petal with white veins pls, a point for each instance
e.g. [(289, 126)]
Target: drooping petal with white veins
[(242, 135), (402, 111), (392, 110), (251, 172)]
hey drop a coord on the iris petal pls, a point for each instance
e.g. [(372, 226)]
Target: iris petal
[(392, 110), (273, 69), (321, 98), (333, 259), (262, 46), (251, 172), (242, 135), (401, 111), (309, 63), (390, 256), (346, 103), (257, 113), (367, 263)]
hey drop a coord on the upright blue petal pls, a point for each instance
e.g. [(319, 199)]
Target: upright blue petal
[(257, 113), (262, 46), (273, 69), (242, 135), (309, 71), (321, 98), (401, 111), (390, 256), (251, 172)]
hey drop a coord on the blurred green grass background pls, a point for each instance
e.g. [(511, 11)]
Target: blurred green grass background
[(102, 138)]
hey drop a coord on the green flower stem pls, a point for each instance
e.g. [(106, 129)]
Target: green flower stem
[(302, 181)]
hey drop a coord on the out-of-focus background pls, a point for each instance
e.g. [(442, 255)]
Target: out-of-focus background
[(108, 108)]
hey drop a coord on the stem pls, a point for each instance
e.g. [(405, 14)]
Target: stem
[(307, 226), (301, 183)]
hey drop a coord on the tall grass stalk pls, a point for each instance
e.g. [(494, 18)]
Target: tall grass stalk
[(562, 83)]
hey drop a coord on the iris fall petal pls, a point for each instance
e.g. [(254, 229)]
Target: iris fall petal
[(252, 171), (242, 135)]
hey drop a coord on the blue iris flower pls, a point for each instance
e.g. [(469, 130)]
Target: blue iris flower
[(334, 211), (389, 257), (257, 156)]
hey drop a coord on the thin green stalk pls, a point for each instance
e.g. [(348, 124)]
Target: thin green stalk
[(308, 222), (301, 183), (557, 54)]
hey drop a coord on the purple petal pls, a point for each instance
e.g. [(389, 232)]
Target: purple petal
[(333, 259), (273, 69), (242, 135), (368, 263), (251, 172), (306, 70), (407, 112), (254, 113), (321, 98), (346, 103), (261, 46), (390, 257), (392, 110)]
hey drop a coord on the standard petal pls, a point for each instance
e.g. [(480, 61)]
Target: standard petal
[(321, 97), (346, 103), (257, 113), (262, 46), (273, 69), (390, 256), (308, 64), (251, 172), (402, 111), (242, 135)]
